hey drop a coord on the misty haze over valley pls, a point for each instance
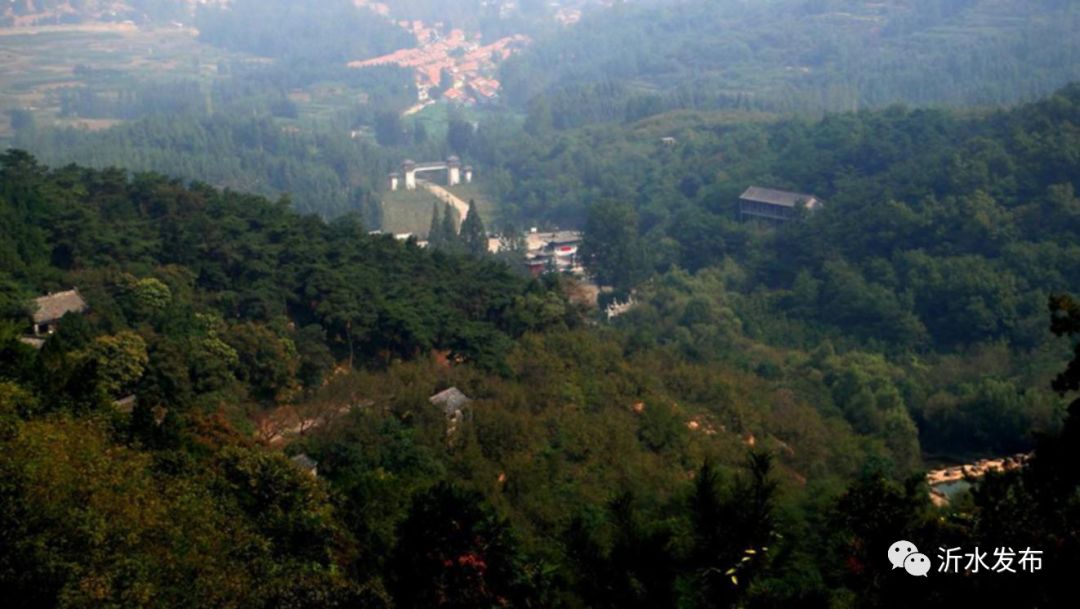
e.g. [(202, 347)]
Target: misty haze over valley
[(574, 304)]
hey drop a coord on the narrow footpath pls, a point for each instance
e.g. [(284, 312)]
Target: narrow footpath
[(446, 196)]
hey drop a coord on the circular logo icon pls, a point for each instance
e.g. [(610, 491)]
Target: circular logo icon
[(899, 551)]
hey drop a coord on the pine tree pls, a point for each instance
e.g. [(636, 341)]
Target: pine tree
[(435, 230), (448, 233), (473, 235)]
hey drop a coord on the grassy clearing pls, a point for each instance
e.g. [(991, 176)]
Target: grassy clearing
[(408, 211), (489, 209)]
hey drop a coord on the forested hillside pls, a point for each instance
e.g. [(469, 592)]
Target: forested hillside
[(327, 31), (942, 236), (324, 172), (595, 468), (940, 229), (283, 67), (256, 400), (798, 55)]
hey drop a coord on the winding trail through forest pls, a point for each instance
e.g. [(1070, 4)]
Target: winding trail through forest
[(417, 108)]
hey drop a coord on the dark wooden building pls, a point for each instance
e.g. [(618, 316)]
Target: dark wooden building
[(773, 205)]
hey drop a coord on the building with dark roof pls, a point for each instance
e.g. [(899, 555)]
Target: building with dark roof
[(774, 205), (126, 405), (49, 309), (552, 251), (451, 401)]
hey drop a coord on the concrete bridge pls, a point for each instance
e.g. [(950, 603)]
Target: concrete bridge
[(409, 168)]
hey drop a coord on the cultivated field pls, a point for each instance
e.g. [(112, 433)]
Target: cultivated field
[(37, 64)]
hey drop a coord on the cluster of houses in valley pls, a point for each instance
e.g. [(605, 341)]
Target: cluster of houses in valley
[(453, 65)]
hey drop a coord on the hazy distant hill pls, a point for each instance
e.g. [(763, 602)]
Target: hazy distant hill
[(323, 32), (804, 55), (59, 12)]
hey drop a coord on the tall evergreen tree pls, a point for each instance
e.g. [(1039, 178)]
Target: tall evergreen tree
[(612, 249), (435, 230), (473, 235), (448, 233)]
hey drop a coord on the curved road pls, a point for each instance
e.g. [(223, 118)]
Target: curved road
[(446, 196)]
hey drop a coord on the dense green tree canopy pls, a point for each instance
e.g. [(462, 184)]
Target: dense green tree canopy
[(751, 433)]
